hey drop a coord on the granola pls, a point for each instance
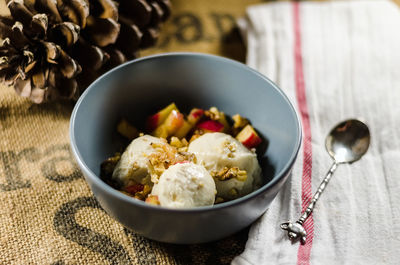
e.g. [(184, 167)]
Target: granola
[(229, 173), (213, 113), (239, 123), (166, 156)]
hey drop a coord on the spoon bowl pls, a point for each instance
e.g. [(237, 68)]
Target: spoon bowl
[(348, 141)]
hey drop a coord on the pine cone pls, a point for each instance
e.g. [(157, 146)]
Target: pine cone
[(53, 49)]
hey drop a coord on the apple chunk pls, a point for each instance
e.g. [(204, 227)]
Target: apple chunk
[(133, 189), (157, 119), (248, 137), (211, 126), (183, 130), (195, 115), (152, 199), (214, 114), (161, 131), (172, 124), (224, 122), (127, 130)]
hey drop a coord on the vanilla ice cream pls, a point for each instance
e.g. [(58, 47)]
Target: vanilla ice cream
[(133, 167), (185, 185), (220, 152)]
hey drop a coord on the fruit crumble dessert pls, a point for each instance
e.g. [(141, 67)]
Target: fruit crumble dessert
[(184, 161)]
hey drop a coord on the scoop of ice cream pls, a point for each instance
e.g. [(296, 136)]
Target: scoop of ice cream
[(234, 167), (185, 185), (133, 167)]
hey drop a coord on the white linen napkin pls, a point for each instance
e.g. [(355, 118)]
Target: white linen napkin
[(335, 60)]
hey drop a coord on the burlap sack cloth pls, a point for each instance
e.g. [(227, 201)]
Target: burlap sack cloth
[(48, 215)]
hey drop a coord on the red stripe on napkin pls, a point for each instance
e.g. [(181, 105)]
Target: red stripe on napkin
[(303, 255)]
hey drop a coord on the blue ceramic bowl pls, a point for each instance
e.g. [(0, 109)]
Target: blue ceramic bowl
[(141, 87)]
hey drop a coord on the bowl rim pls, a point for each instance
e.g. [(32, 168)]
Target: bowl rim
[(115, 193)]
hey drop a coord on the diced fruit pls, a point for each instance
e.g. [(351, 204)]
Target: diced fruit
[(183, 130), (134, 188), (157, 119), (161, 131), (171, 125), (152, 199), (219, 200), (141, 195), (173, 122), (195, 136), (195, 115), (249, 137), (178, 143), (239, 123), (184, 142), (214, 114), (211, 126), (175, 142), (127, 130), (223, 121)]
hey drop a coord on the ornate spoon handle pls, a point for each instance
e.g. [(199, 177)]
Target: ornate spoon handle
[(296, 230)]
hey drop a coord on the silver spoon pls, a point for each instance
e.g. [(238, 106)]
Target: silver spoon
[(346, 143)]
